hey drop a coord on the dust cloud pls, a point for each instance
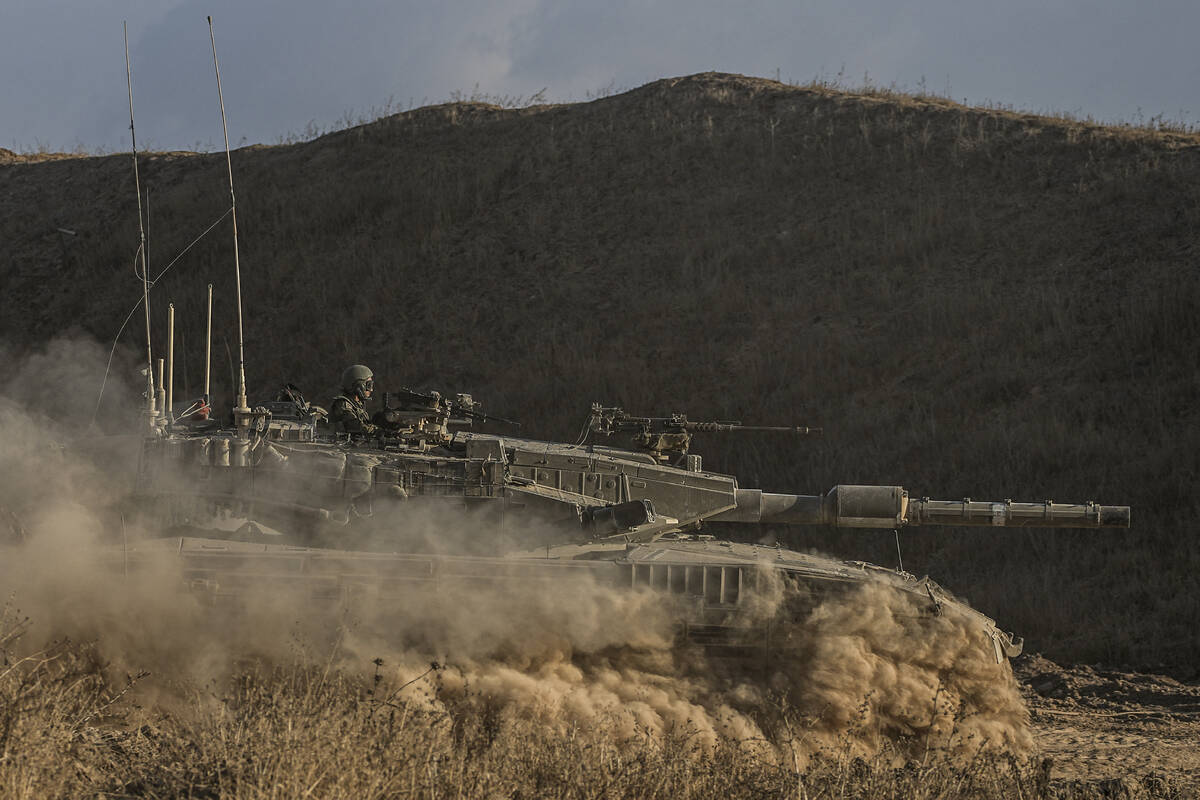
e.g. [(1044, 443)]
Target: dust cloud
[(863, 670), (856, 671)]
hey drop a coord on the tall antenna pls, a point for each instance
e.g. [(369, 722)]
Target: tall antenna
[(169, 408), (242, 407), (208, 349), (141, 234)]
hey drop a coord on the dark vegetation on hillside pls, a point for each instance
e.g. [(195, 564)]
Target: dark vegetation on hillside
[(969, 302)]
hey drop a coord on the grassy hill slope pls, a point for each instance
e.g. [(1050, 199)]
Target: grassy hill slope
[(970, 302)]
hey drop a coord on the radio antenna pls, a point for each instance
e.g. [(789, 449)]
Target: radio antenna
[(208, 349), (141, 235), (242, 406)]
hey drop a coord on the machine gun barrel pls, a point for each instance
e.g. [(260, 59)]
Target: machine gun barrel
[(890, 507), (722, 427), (671, 435), (482, 417)]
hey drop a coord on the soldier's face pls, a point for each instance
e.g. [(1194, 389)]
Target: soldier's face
[(366, 387)]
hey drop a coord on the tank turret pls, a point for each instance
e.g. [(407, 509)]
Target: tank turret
[(323, 485)]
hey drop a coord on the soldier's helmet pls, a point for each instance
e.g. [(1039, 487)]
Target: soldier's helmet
[(358, 381)]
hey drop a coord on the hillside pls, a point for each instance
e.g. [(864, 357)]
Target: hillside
[(970, 302)]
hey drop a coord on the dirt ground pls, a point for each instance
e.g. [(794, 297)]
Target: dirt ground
[(1096, 723)]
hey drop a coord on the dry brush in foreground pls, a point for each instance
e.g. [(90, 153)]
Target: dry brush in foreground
[(299, 730)]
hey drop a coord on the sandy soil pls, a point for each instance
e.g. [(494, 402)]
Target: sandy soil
[(1095, 723)]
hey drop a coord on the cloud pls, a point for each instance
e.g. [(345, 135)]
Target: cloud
[(288, 64)]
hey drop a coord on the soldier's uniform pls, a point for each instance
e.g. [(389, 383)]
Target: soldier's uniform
[(349, 411), (348, 415)]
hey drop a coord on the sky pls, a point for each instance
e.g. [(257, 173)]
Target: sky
[(292, 67)]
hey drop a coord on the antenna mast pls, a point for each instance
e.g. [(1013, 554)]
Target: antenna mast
[(208, 349), (141, 236), (242, 406)]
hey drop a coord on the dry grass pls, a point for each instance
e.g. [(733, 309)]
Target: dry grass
[(969, 301), (291, 731)]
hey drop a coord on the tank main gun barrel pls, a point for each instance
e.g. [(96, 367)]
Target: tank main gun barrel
[(890, 507), (1020, 515)]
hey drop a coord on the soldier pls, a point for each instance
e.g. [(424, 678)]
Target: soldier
[(349, 412)]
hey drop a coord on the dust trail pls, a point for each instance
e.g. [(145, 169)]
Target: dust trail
[(864, 668), (879, 665), (860, 669)]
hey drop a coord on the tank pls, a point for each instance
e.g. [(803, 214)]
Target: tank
[(278, 496)]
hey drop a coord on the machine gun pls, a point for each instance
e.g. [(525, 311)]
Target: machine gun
[(431, 413), (670, 436)]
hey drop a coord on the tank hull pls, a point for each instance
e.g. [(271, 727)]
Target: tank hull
[(716, 591)]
